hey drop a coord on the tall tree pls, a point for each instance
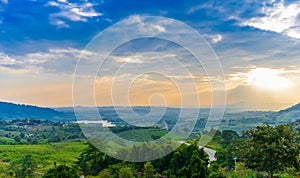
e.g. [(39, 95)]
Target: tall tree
[(270, 149), (92, 161), (198, 165)]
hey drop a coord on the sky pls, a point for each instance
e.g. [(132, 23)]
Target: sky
[(256, 42)]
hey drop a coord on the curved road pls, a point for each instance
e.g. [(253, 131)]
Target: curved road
[(211, 153)]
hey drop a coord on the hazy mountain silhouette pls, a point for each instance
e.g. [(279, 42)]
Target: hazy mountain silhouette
[(291, 109), (287, 115), (10, 111)]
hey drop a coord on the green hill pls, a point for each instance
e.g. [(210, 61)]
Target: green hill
[(11, 111)]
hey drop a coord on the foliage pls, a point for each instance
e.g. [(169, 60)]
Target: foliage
[(126, 172), (25, 167), (198, 165), (241, 171), (92, 161), (31, 131), (215, 171), (148, 170), (270, 149), (142, 135), (61, 171), (187, 160), (39, 158)]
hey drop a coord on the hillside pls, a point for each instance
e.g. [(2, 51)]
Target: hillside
[(11, 111), (292, 108), (290, 114), (244, 120), (232, 120)]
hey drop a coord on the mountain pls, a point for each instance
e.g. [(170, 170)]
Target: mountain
[(291, 109), (246, 106), (232, 120), (240, 121), (11, 111), (290, 114)]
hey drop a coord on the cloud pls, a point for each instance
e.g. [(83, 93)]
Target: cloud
[(269, 79), (54, 60), (129, 60), (214, 38), (153, 28), (72, 11), (264, 88), (30, 69), (6, 60), (59, 23), (279, 18)]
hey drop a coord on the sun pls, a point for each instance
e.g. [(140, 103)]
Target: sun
[(269, 79)]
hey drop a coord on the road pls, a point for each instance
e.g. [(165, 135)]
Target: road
[(211, 153)]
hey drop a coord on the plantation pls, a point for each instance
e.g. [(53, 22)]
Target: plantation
[(43, 156)]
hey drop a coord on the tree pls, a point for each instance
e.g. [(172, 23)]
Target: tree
[(269, 149), (149, 170), (215, 171), (198, 165), (126, 172), (92, 161), (61, 171), (106, 173), (228, 136), (17, 138), (242, 171)]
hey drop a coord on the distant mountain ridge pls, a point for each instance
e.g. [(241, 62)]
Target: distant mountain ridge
[(290, 114), (10, 111), (292, 108)]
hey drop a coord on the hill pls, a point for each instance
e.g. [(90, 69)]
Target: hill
[(290, 114), (239, 121), (292, 108), (11, 111)]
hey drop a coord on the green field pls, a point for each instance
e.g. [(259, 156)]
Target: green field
[(142, 135), (43, 154)]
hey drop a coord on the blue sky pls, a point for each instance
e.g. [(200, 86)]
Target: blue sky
[(256, 41)]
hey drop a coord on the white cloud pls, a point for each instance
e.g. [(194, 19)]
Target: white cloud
[(6, 60), (13, 71), (270, 79), (278, 18), (140, 58), (153, 28), (54, 60), (129, 60), (71, 11), (59, 23), (159, 28), (214, 38), (265, 78), (294, 32)]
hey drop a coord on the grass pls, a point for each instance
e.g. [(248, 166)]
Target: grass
[(142, 135), (44, 154)]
